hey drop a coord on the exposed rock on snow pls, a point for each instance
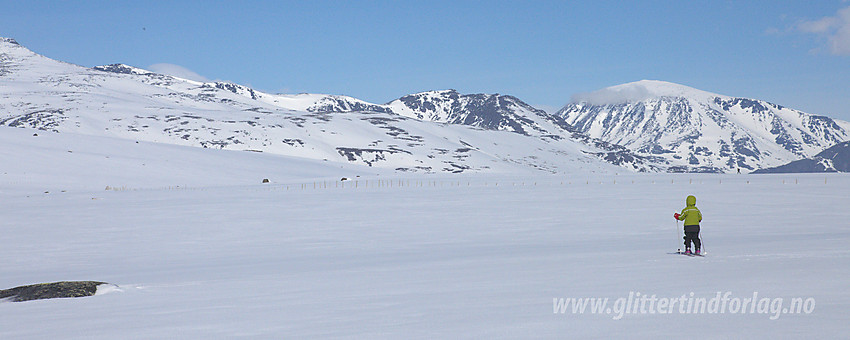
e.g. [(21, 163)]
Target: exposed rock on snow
[(64, 289)]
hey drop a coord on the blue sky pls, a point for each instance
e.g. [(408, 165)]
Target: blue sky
[(793, 53)]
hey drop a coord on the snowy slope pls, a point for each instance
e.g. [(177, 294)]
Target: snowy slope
[(35, 162), (694, 130), (130, 103), (833, 159), (469, 256), (299, 102)]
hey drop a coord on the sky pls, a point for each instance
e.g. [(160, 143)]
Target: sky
[(792, 53)]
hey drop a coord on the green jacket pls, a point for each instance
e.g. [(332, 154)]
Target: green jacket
[(691, 214)]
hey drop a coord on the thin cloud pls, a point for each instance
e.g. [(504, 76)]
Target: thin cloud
[(177, 71), (835, 30)]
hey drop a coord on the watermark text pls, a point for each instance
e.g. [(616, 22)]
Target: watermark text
[(720, 303)]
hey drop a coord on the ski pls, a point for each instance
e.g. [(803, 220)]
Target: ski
[(686, 254)]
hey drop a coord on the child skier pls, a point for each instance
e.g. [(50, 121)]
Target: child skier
[(692, 218)]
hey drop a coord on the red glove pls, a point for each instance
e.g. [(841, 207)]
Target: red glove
[(676, 216)]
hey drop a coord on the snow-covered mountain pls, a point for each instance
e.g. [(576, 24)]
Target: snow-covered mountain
[(131, 103), (508, 113), (834, 159), (642, 126), (486, 111), (694, 130)]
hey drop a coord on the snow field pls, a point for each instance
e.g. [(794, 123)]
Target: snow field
[(195, 246), (460, 261)]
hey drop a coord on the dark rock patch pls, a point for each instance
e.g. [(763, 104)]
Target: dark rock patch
[(55, 290)]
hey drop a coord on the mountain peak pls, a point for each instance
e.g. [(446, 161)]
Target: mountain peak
[(122, 68), (447, 92), (639, 91), (659, 87), (9, 41)]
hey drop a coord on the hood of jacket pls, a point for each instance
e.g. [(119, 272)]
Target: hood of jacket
[(691, 201)]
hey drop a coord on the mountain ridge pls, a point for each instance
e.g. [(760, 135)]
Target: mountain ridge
[(834, 159), (642, 126), (131, 103), (692, 129)]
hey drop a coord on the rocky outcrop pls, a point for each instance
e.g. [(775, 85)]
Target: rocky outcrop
[(64, 289)]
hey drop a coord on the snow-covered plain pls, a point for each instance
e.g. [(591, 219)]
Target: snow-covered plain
[(196, 247)]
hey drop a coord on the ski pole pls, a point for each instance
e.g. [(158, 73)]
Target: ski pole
[(679, 235)]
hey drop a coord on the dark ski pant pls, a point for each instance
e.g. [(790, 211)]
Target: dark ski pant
[(692, 235)]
